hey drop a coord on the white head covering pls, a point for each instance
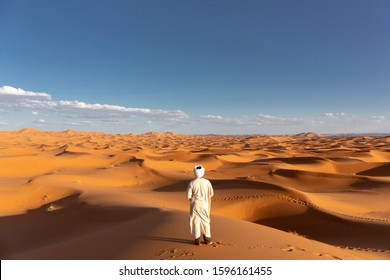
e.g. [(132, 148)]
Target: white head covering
[(198, 171)]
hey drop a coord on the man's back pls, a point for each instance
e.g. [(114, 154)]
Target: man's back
[(200, 189)]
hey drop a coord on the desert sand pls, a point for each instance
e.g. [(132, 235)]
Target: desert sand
[(79, 195)]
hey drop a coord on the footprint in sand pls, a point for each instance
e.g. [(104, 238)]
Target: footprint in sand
[(326, 255), (187, 253), (46, 197), (217, 244), (291, 248), (53, 207), (258, 246), (175, 253), (161, 253), (170, 251)]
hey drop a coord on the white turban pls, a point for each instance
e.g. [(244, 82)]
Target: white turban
[(198, 171)]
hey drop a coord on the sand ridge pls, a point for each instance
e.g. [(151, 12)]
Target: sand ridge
[(82, 195)]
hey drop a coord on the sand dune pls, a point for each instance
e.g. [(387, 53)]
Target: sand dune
[(78, 195)]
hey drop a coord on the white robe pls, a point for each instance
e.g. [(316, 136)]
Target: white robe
[(199, 192)]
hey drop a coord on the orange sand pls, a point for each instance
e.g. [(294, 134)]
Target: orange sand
[(74, 195)]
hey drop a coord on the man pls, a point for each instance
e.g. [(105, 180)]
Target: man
[(199, 193)]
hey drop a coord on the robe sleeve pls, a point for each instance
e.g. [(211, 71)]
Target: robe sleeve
[(211, 191), (189, 192)]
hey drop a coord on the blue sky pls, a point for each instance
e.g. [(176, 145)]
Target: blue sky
[(225, 67)]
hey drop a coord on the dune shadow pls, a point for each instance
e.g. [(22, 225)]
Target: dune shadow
[(345, 160), (334, 230), (293, 173), (367, 184), (63, 219), (294, 160), (383, 170), (224, 184)]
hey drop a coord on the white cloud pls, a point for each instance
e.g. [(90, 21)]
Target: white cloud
[(211, 117), (3, 123), (351, 123), (256, 123), (88, 109), (16, 98), (221, 120), (344, 118), (78, 123), (40, 121), (276, 120), (11, 94), (333, 115), (377, 119), (328, 115), (18, 92)]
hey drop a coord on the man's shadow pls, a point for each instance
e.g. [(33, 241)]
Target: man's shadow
[(170, 239)]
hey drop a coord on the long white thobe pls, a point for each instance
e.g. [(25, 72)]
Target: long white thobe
[(199, 193)]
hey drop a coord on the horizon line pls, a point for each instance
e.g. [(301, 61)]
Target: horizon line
[(315, 134)]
